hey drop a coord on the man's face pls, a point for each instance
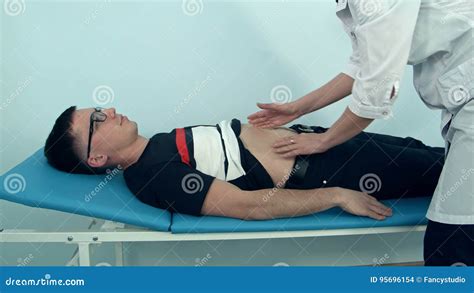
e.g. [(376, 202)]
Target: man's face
[(109, 137)]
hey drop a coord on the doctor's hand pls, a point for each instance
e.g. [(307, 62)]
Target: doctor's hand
[(361, 204), (273, 115), (302, 144)]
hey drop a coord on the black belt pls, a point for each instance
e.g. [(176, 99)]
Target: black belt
[(299, 170), (301, 162)]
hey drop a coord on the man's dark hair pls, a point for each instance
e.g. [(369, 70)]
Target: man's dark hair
[(61, 147)]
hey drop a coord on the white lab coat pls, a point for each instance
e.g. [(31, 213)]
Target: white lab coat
[(437, 38)]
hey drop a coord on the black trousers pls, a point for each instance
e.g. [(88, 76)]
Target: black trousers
[(391, 167), (384, 166), (448, 245)]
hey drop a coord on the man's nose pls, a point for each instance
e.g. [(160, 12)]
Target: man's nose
[(110, 112)]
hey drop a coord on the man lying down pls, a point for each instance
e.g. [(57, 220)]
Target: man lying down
[(229, 169)]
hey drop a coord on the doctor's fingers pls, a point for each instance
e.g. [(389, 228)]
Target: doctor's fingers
[(290, 140), (264, 125), (259, 114), (292, 154), (285, 149), (259, 121)]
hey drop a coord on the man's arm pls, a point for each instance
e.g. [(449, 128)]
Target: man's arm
[(225, 199)]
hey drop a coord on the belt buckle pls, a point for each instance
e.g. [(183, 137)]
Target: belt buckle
[(299, 171), (305, 128)]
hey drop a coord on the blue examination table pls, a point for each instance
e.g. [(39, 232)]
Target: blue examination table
[(34, 183)]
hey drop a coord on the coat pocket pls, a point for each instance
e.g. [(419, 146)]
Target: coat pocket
[(456, 87)]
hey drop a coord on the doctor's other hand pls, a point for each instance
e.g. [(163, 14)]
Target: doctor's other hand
[(273, 115), (361, 204)]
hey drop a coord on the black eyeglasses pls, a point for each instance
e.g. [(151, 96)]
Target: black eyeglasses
[(96, 116)]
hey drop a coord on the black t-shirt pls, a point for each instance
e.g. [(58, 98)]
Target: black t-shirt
[(176, 169)]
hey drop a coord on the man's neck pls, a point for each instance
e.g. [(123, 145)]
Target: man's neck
[(133, 152)]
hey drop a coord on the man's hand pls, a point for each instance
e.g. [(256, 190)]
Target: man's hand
[(361, 204)]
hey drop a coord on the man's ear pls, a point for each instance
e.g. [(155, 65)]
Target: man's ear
[(97, 161)]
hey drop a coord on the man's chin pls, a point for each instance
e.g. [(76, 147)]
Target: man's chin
[(135, 126)]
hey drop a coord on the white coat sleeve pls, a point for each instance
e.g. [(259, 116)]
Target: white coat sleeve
[(353, 65), (384, 32)]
